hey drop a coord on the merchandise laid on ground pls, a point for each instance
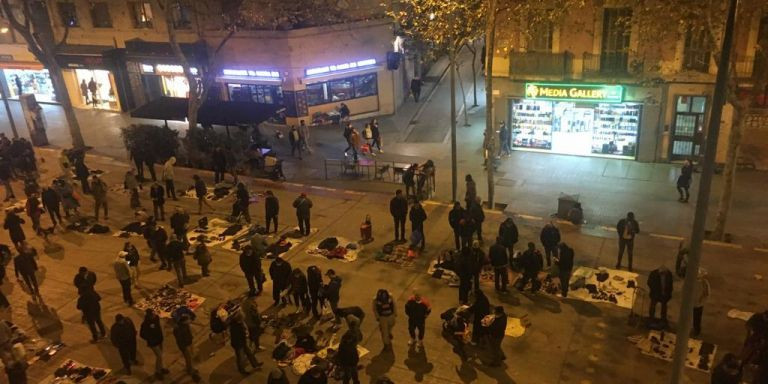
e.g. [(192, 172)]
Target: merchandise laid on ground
[(277, 243), (88, 225), (168, 299), (601, 285), (337, 248), (218, 192), (72, 371), (18, 206), (302, 362), (396, 254), (133, 229), (29, 348), (516, 326), (444, 268), (660, 344), (216, 231)]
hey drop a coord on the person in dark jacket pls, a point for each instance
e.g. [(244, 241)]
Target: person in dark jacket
[(202, 255), (466, 231), (250, 264), (152, 333), (385, 312), (454, 218), (495, 335), (15, 369), (219, 160), (82, 172), (303, 206), (627, 228), (660, 283), (299, 290), (271, 209), (175, 255), (280, 273), (477, 262), (509, 235), (684, 181), (565, 267), (550, 238), (277, 376), (88, 304), (464, 268), (239, 342), (157, 194), (480, 308), (13, 224), (417, 216), (179, 223), (160, 246), (123, 337), (417, 309), (252, 318), (409, 179), (314, 375), (201, 190), (84, 281), (398, 208), (347, 359), (52, 203), (242, 202), (99, 191), (416, 84), (475, 211), (315, 283), (500, 263), (530, 261), (183, 335), (332, 292), (727, 371), (25, 268), (6, 175)]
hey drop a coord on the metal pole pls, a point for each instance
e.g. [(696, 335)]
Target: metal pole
[(3, 84), (454, 166), (702, 202), (490, 47)]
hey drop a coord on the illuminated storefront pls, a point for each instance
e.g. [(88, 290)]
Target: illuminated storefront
[(166, 80), (354, 83), (34, 81), (576, 119), (255, 86)]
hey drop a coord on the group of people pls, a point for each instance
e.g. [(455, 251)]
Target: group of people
[(371, 136), (17, 162)]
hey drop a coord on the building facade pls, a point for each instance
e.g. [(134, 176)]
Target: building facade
[(586, 85)]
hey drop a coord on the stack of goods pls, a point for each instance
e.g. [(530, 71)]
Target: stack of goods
[(397, 254), (87, 225), (660, 344), (74, 372), (602, 285), (167, 299), (219, 192), (32, 349), (217, 231), (331, 248), (445, 268)]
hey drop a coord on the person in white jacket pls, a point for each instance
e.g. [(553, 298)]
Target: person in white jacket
[(701, 294), (170, 188)]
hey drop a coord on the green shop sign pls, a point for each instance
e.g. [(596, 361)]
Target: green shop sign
[(575, 92)]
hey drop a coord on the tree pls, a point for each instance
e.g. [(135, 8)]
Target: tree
[(447, 25), (31, 20)]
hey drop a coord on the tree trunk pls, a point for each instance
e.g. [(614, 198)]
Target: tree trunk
[(472, 48), (463, 96), (729, 172), (490, 48), (454, 166), (62, 96)]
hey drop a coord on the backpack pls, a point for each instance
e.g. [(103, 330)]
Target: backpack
[(367, 132)]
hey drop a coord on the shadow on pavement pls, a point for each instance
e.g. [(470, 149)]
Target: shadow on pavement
[(544, 301), (584, 308), (381, 364), (46, 320), (417, 363)]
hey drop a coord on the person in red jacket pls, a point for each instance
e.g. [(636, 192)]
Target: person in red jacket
[(417, 309)]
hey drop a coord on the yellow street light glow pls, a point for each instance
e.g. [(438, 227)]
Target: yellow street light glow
[(4, 30)]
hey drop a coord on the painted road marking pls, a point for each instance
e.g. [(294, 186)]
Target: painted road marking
[(764, 250), (668, 237), (529, 217), (721, 244)]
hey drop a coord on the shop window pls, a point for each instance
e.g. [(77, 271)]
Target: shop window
[(540, 38), (614, 55), (366, 85), (696, 54), (317, 94), (141, 12), (342, 89), (68, 14), (256, 93), (100, 15), (182, 18)]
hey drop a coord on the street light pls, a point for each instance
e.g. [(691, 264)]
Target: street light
[(4, 29)]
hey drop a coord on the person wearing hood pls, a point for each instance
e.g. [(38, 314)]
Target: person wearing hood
[(417, 309), (277, 376), (300, 290), (84, 281), (123, 337), (239, 342), (123, 275), (280, 273), (202, 255), (170, 187), (152, 333), (454, 218)]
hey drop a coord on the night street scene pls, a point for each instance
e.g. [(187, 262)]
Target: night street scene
[(384, 192)]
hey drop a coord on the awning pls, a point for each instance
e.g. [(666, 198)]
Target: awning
[(210, 113), (140, 50), (85, 56)]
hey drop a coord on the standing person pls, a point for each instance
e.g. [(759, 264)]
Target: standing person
[(530, 261), (219, 160), (13, 224), (344, 112), (315, 283), (398, 208), (99, 191), (347, 359), (376, 135), (500, 263), (123, 337), (68, 201), (332, 292), (454, 218), (170, 187), (82, 173), (294, 138), (25, 268), (304, 131), (417, 309), (201, 190), (495, 335), (466, 230), (6, 175), (84, 281), (52, 203), (280, 273), (157, 194), (347, 133), (385, 313), (684, 181), (152, 333), (502, 139), (132, 258), (123, 276), (564, 261), (250, 264), (701, 294), (179, 224), (131, 184), (84, 92), (464, 272), (252, 318), (627, 228), (409, 179), (550, 238), (477, 262), (175, 255), (660, 286), (243, 201), (88, 304), (94, 88), (271, 209), (475, 211), (480, 308), (303, 206), (160, 246), (34, 211), (202, 255), (416, 84), (183, 335), (354, 142), (418, 216), (471, 195), (239, 342), (19, 87), (300, 290)]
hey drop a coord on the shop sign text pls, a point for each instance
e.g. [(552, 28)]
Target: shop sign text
[(575, 92)]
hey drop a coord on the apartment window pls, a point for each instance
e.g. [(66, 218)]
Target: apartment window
[(614, 55), (100, 15), (540, 39), (182, 19), (68, 14), (334, 91), (696, 54), (141, 12)]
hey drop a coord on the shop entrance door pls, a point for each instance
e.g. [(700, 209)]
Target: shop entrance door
[(687, 133)]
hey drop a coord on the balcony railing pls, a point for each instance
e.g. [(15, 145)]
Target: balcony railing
[(609, 64), (744, 67), (540, 63)]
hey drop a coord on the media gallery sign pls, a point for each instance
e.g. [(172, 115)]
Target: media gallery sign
[(575, 92)]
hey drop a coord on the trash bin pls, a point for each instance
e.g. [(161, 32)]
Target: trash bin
[(565, 203), (33, 115)]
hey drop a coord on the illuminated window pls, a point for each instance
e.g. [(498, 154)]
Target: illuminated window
[(68, 14), (141, 11), (334, 91), (100, 15)]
